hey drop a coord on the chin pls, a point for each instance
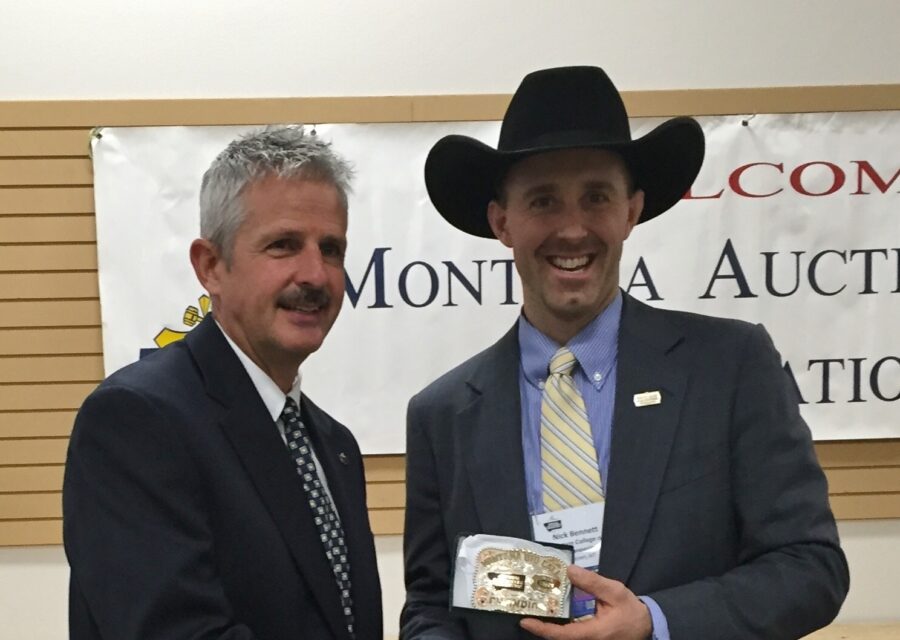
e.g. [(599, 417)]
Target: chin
[(576, 309), (302, 345)]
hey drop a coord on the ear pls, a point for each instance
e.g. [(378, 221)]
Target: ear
[(635, 209), (498, 219), (208, 264)]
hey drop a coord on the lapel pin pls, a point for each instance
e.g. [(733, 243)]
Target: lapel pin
[(647, 398), (343, 458)]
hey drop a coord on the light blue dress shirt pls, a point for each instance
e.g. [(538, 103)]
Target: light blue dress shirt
[(596, 349)]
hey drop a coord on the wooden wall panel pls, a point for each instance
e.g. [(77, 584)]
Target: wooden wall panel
[(39, 397), (42, 423), (386, 522), (31, 478), (385, 468), (866, 506), (52, 286), (857, 631), (50, 336), (47, 229), (15, 533), (859, 453), (51, 369), (863, 480), (27, 506), (71, 340), (35, 143), (29, 451), (52, 314), (49, 258), (45, 171), (28, 200)]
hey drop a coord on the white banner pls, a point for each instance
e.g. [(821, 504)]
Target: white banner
[(793, 222)]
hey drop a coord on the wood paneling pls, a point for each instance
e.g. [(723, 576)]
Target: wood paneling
[(385, 468), (886, 631), (22, 200), (866, 506), (24, 479), (863, 480), (30, 532), (48, 257), (50, 337), (45, 171), (30, 397), (76, 368), (33, 451), (23, 506), (386, 495), (50, 313), (49, 286), (869, 453), (386, 521), (88, 113), (47, 229), (703, 102), (36, 424), (45, 143), (82, 340)]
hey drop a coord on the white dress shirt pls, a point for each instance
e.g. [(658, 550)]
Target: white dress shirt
[(274, 399)]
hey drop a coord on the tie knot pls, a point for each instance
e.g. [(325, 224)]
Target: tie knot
[(291, 411), (562, 362)]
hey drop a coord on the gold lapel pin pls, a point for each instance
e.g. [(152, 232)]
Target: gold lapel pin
[(647, 398)]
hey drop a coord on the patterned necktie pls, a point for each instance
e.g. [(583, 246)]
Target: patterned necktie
[(569, 469), (331, 533)]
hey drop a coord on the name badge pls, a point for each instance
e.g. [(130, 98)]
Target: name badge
[(581, 527)]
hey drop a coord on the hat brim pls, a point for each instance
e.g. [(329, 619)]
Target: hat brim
[(462, 173)]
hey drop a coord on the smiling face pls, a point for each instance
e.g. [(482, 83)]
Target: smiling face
[(283, 286), (566, 214)]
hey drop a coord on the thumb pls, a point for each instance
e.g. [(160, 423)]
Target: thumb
[(593, 583)]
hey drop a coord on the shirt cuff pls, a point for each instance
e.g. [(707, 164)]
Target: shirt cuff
[(657, 619)]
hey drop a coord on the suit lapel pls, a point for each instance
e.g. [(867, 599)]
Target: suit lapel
[(491, 441), (255, 439), (641, 436)]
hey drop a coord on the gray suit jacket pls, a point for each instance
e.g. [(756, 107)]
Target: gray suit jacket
[(716, 505)]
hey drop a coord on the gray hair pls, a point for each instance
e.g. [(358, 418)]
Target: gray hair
[(282, 151)]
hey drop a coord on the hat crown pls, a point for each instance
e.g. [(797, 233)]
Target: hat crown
[(559, 106), (553, 110)]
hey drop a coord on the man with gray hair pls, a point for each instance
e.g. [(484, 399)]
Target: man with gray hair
[(203, 496)]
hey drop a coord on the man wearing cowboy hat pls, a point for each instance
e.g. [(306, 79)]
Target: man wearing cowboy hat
[(680, 432)]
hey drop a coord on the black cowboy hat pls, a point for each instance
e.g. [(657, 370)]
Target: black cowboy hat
[(553, 109)]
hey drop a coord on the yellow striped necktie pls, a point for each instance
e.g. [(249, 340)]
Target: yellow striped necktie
[(569, 469)]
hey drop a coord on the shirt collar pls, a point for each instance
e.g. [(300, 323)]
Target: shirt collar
[(595, 347), (269, 392)]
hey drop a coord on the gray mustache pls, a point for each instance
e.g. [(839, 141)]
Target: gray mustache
[(305, 296)]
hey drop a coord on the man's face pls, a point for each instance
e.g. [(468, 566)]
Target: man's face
[(284, 286), (565, 215)]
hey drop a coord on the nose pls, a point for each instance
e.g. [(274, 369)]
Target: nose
[(572, 223)]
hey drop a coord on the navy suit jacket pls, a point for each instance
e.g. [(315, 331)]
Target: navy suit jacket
[(184, 516), (716, 506)]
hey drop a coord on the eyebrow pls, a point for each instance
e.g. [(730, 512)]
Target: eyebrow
[(540, 189), (550, 187), (599, 184), (338, 240), (279, 232)]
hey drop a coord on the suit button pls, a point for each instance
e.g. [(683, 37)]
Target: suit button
[(343, 458)]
